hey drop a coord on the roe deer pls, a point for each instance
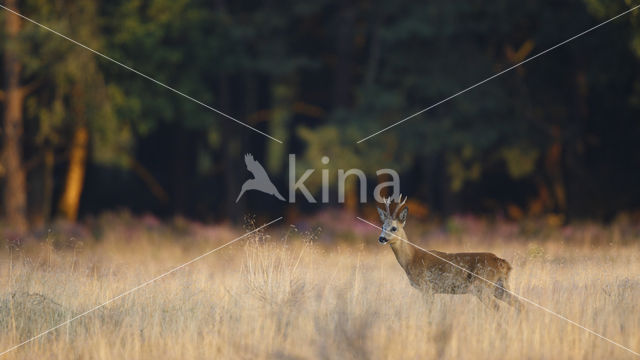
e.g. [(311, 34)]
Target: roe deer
[(434, 272)]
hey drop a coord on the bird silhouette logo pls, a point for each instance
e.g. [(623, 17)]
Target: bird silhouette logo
[(260, 181)]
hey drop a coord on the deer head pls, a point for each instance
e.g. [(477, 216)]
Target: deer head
[(393, 224)]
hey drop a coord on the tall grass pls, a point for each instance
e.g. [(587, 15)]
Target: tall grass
[(287, 296)]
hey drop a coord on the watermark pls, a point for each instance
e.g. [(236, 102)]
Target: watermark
[(262, 182)]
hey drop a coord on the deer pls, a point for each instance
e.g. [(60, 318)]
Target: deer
[(482, 274)]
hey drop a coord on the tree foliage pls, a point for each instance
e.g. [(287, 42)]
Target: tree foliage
[(557, 134)]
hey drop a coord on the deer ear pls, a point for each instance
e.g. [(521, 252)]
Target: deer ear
[(383, 215), (403, 215)]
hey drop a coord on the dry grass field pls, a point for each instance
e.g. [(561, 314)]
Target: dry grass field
[(292, 295)]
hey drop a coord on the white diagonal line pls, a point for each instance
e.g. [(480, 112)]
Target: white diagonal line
[(138, 287), (509, 291), (498, 74), (141, 74)]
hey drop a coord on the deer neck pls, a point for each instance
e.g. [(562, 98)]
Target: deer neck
[(403, 251)]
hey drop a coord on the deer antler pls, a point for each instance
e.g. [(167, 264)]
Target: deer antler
[(387, 202), (400, 204)]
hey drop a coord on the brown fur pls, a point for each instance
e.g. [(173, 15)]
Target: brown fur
[(431, 274)]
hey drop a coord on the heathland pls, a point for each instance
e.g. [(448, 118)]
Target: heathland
[(313, 290)]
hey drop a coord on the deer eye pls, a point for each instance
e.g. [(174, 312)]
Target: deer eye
[(393, 229)]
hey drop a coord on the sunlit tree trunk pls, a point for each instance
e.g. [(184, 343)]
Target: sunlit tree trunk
[(70, 200), (15, 191)]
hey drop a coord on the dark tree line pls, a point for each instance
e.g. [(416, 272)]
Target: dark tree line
[(82, 135)]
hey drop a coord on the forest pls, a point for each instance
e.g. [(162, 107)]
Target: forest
[(83, 134)]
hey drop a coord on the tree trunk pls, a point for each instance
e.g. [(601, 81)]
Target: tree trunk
[(40, 188), (232, 159), (70, 200), (232, 148), (179, 169), (15, 191), (48, 182)]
